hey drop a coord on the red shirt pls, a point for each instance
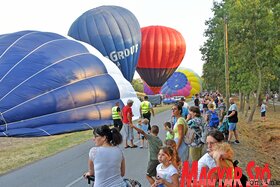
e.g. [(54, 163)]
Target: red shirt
[(126, 110)]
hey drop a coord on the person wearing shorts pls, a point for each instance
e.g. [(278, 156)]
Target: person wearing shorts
[(231, 126), (127, 121), (232, 121), (154, 146)]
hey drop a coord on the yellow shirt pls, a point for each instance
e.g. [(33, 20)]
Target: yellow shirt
[(180, 121)]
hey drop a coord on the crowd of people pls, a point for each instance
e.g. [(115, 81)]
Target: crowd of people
[(192, 135)]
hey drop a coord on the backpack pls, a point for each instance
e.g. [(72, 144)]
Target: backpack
[(205, 130), (214, 119), (196, 132), (189, 137)]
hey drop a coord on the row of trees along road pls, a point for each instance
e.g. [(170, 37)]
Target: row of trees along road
[(253, 28)]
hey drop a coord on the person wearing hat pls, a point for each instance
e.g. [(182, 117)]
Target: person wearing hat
[(127, 123)]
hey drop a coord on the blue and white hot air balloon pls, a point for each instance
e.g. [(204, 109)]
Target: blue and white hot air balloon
[(50, 84), (115, 32)]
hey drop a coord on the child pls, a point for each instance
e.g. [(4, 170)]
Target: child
[(263, 110), (167, 174), (154, 146), (144, 127), (176, 161), (212, 117), (169, 132), (223, 155), (139, 125)]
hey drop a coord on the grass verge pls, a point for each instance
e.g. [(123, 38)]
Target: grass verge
[(260, 141)]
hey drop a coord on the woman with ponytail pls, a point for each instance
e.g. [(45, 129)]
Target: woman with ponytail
[(106, 160)]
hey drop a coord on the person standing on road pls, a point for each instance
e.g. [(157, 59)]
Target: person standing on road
[(185, 104), (185, 108), (180, 129), (154, 146), (196, 100), (196, 122), (146, 109), (117, 116), (232, 121), (127, 121), (222, 109), (106, 160)]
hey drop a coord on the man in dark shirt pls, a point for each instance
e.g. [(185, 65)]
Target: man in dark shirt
[(196, 100)]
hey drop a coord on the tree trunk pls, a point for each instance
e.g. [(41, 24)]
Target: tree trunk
[(251, 116), (244, 99), (260, 100), (241, 99), (226, 62), (248, 105)]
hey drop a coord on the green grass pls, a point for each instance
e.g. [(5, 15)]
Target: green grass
[(17, 152)]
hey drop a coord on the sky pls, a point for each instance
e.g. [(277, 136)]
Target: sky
[(186, 16)]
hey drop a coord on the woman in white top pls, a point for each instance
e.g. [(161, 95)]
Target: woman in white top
[(106, 160), (207, 159)]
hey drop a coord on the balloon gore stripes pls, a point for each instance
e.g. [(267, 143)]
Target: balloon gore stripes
[(50, 84), (115, 32)]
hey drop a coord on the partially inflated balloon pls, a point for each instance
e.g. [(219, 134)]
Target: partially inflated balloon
[(115, 32), (162, 51), (183, 82), (50, 84), (147, 89)]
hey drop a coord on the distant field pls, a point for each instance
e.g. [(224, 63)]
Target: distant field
[(17, 152)]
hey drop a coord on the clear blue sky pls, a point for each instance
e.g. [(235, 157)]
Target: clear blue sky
[(186, 16)]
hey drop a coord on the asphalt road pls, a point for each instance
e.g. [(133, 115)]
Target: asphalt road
[(65, 169)]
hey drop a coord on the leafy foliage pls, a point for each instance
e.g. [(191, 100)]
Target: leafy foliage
[(137, 84), (254, 47)]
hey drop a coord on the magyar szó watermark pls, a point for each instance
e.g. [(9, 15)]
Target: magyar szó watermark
[(232, 177)]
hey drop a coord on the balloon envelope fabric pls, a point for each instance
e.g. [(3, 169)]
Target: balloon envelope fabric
[(50, 84), (147, 89), (183, 82), (162, 51), (115, 32)]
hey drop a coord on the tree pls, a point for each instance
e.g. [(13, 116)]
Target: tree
[(137, 84), (254, 50)]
